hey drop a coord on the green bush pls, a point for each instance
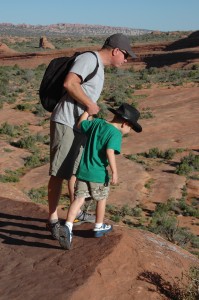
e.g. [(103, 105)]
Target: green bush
[(11, 176), (38, 195), (10, 130), (188, 164), (156, 153)]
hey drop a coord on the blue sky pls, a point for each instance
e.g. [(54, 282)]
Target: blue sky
[(164, 15)]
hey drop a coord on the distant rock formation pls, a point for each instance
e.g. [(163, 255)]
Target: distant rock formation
[(45, 44), (157, 32), (190, 41), (4, 49)]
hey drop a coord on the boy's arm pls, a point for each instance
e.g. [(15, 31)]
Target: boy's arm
[(83, 117), (112, 162)]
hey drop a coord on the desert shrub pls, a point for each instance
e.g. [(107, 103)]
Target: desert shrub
[(116, 218), (165, 223), (167, 226), (28, 75), (110, 208), (38, 195), (195, 67), (136, 211), (117, 214), (187, 210), (29, 142), (191, 290), (11, 176), (39, 110), (26, 143), (10, 130), (149, 183), (35, 160), (103, 110), (8, 150), (24, 107), (185, 287), (156, 153), (188, 164), (146, 114), (137, 159)]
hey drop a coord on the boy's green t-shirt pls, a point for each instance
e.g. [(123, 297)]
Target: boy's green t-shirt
[(100, 136)]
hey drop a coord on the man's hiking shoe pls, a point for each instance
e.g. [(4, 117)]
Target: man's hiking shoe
[(84, 217), (54, 229), (104, 229), (65, 237)]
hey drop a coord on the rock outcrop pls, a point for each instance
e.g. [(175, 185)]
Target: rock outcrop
[(4, 49), (45, 44), (128, 264)]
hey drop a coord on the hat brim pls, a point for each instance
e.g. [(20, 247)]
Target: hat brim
[(134, 125), (131, 53)]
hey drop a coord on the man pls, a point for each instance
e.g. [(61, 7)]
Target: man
[(66, 140)]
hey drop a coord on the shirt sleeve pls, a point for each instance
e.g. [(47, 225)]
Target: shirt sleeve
[(115, 142), (85, 125), (84, 65)]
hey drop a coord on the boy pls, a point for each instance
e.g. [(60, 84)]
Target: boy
[(103, 142)]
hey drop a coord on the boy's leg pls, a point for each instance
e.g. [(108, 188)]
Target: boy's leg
[(71, 187), (82, 216), (81, 190), (100, 193), (100, 211), (74, 209)]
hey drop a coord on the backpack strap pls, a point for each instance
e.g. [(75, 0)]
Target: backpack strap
[(90, 76)]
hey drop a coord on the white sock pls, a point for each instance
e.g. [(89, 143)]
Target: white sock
[(98, 225), (70, 225)]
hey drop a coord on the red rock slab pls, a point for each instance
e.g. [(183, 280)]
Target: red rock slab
[(122, 265)]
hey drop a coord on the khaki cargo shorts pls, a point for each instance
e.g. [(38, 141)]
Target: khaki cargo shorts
[(97, 191), (66, 147)]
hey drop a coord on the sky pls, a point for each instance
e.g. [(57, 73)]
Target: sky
[(163, 15)]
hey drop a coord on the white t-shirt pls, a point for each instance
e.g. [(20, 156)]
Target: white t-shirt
[(65, 111)]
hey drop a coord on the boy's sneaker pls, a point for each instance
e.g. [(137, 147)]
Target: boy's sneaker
[(65, 237), (84, 217), (104, 229), (54, 229)]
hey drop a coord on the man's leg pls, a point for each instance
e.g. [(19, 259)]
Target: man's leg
[(54, 192)]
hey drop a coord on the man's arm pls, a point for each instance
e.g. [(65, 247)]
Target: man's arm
[(112, 162), (72, 84)]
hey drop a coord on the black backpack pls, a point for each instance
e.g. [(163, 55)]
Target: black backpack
[(51, 88)]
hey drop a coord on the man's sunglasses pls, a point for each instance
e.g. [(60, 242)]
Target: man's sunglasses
[(125, 54)]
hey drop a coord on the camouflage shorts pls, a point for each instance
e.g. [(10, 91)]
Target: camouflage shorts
[(97, 191)]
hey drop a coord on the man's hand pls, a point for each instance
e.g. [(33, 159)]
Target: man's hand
[(92, 109)]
